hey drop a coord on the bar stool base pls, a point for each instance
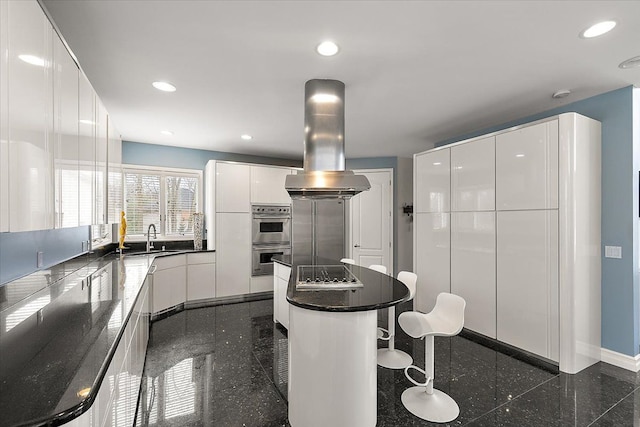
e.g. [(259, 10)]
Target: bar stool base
[(438, 407), (393, 359)]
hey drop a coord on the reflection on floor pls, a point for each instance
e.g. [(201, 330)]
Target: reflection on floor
[(227, 366)]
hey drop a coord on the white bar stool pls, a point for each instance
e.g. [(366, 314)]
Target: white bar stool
[(390, 357), (348, 261), (445, 320), (379, 268)]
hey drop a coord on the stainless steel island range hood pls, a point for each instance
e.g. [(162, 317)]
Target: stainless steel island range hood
[(324, 175)]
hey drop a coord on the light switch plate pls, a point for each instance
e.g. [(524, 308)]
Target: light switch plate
[(613, 252)]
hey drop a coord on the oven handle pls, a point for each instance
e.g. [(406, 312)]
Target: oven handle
[(286, 218), (277, 246)]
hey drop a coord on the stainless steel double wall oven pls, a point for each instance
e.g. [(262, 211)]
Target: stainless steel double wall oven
[(271, 231)]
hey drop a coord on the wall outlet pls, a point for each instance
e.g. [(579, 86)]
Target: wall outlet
[(40, 261), (613, 252)]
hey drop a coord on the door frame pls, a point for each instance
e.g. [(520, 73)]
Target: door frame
[(349, 217)]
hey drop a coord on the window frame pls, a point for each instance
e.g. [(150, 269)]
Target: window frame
[(163, 172)]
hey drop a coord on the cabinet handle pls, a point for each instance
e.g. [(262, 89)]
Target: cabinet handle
[(356, 246), (153, 270)]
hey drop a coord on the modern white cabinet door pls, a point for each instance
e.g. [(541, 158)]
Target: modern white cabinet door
[(432, 181), (169, 282), (233, 185), (473, 268), (267, 185), (87, 150), (432, 258), (201, 276), (527, 281), (30, 119), (4, 117), (233, 254), (527, 168), (65, 136), (102, 145), (114, 173), (473, 176), (280, 304)]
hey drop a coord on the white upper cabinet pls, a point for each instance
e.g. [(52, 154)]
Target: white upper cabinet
[(432, 181), (527, 168), (473, 176), (87, 150), (30, 123), (267, 185), (101, 142), (114, 173), (233, 183), (65, 136), (4, 114)]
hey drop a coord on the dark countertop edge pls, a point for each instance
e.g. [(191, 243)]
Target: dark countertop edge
[(370, 307), (77, 410)]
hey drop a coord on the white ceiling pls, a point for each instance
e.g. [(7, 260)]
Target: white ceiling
[(416, 72)]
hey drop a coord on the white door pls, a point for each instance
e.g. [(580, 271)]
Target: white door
[(371, 216)]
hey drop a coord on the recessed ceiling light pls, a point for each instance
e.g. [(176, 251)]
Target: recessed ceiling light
[(87, 122), (166, 132), (246, 137), (562, 93), (164, 86), (598, 29), (327, 48), (436, 163), (631, 63), (519, 155), (33, 60), (324, 98)]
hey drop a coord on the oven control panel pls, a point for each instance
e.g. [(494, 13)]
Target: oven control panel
[(271, 210)]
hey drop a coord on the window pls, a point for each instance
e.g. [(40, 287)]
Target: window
[(167, 198)]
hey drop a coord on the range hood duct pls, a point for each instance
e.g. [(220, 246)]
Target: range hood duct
[(324, 174)]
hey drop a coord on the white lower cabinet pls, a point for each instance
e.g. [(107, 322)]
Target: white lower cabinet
[(169, 282), (280, 304), (473, 268), (201, 276), (116, 402), (527, 281), (233, 254), (432, 258)]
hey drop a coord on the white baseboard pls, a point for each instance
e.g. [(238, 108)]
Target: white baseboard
[(630, 363)]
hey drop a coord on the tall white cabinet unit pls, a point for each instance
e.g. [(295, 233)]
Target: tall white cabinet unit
[(231, 189), (516, 232), (432, 226)]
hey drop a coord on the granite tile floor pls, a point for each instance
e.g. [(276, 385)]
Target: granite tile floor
[(227, 366)]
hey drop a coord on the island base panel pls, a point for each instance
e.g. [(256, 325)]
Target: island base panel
[(332, 368)]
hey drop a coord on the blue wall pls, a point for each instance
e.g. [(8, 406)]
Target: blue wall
[(18, 251), (620, 329)]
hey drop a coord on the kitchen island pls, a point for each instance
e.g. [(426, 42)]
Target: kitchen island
[(332, 346)]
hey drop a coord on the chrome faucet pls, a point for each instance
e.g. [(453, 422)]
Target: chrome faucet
[(155, 236)]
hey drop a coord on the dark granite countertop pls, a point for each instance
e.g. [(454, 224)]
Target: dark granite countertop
[(379, 290), (61, 338)]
